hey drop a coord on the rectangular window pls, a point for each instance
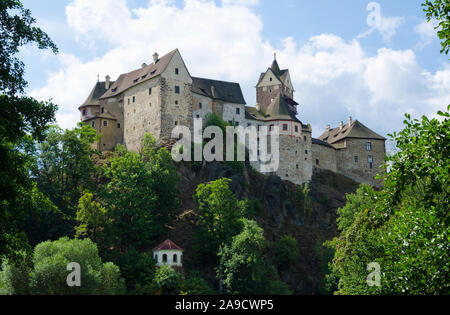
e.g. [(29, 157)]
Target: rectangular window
[(296, 128), (103, 110), (317, 162), (177, 90), (238, 111), (84, 112), (134, 99), (176, 103), (118, 126), (306, 152), (368, 146), (304, 138), (105, 123), (285, 127), (150, 91), (356, 160), (177, 71), (200, 105), (370, 162), (271, 127), (128, 101), (93, 124)]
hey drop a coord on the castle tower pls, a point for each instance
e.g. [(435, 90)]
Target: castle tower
[(274, 83)]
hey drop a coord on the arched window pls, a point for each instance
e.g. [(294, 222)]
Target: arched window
[(164, 258), (175, 258), (156, 257)]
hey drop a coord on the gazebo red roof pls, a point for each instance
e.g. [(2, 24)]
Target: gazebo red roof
[(168, 245)]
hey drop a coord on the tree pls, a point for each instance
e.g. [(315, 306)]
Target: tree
[(243, 267), (285, 252), (48, 274), (405, 226), (194, 284), (21, 118), (167, 280), (440, 10), (220, 215)]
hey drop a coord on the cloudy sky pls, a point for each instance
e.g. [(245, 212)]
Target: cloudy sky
[(345, 59)]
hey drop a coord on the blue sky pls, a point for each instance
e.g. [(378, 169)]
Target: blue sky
[(340, 65)]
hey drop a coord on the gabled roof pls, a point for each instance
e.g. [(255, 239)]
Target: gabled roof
[(130, 79), (320, 142), (93, 98), (355, 130), (229, 92), (168, 245), (279, 109)]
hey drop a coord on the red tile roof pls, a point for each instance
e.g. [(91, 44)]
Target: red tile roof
[(168, 245)]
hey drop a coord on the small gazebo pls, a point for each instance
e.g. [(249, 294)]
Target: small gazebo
[(168, 253)]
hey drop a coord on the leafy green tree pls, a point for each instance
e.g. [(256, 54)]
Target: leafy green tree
[(243, 267), (20, 118), (196, 285), (285, 252), (92, 218), (167, 280), (220, 215), (405, 226), (48, 274), (440, 10)]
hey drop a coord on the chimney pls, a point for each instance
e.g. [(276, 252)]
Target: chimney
[(350, 121), (155, 57), (341, 125), (328, 128), (144, 65), (213, 91), (107, 82)]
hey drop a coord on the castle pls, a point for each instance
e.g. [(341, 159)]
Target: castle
[(161, 95)]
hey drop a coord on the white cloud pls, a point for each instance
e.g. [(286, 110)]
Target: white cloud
[(240, 2), (333, 78), (427, 31)]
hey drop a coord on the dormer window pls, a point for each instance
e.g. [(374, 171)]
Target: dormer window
[(153, 72)]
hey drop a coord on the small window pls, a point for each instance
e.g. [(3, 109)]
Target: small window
[(128, 101), (177, 71), (198, 116), (176, 103), (177, 90), (164, 258), (306, 152), (175, 256), (237, 123), (356, 160), (317, 162), (296, 128), (368, 146), (134, 99), (176, 123), (271, 127), (105, 123), (238, 111), (118, 126), (271, 79), (370, 162), (150, 91), (304, 138), (297, 166), (84, 112), (93, 124), (200, 105), (103, 110), (156, 257), (285, 127)]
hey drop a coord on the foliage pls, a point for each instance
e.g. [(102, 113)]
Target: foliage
[(48, 274), (405, 226), (440, 10), (93, 219), (21, 119), (220, 213), (302, 198), (167, 280), (196, 285), (243, 268), (285, 252), (141, 197)]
